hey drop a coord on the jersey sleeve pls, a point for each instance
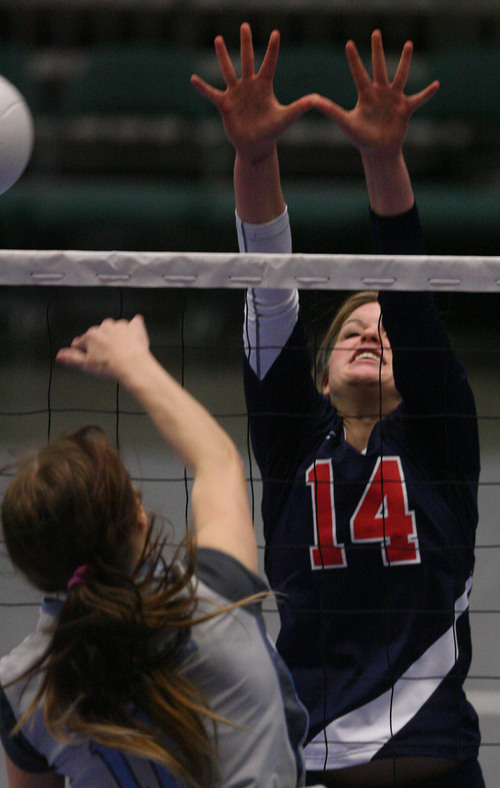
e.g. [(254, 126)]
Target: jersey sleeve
[(270, 314), (227, 576), (284, 406), (401, 234), (17, 747), (287, 417)]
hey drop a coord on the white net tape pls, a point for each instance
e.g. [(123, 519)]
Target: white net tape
[(235, 270)]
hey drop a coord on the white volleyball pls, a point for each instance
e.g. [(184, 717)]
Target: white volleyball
[(16, 134)]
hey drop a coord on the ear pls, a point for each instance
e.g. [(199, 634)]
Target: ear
[(325, 388), (142, 519)]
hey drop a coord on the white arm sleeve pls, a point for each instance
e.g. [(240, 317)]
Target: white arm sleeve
[(270, 315)]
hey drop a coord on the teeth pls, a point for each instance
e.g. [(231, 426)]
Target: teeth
[(367, 354)]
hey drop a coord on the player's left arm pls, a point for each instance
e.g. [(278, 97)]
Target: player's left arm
[(427, 372), (378, 124)]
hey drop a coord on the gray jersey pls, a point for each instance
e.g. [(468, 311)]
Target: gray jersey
[(231, 661)]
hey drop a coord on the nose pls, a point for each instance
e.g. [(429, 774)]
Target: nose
[(371, 333)]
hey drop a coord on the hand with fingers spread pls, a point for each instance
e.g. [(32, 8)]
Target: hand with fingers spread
[(253, 117), (378, 123)]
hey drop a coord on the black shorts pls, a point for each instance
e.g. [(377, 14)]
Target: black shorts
[(468, 775)]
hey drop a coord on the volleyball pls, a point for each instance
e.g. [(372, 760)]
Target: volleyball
[(16, 134)]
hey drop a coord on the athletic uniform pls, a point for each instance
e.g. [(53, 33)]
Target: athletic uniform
[(371, 552), (231, 661)]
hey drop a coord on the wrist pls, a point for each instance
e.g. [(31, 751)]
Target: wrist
[(383, 163), (258, 157), (132, 368)]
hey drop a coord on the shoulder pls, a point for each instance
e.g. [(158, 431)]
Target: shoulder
[(30, 649), (226, 576)]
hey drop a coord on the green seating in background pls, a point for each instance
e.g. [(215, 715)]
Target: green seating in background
[(130, 109), (51, 213), (469, 77), (135, 79), (314, 69), (14, 68), (159, 178), (469, 83)]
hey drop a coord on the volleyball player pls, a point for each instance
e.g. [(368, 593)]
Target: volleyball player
[(370, 484), (139, 673)]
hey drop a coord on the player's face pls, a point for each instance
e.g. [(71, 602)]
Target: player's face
[(357, 360)]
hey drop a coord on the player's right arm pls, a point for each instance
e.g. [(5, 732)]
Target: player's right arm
[(253, 121), (221, 513)]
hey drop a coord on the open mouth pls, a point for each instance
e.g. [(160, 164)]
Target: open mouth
[(367, 355)]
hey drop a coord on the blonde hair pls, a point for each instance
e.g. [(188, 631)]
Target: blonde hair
[(345, 310)]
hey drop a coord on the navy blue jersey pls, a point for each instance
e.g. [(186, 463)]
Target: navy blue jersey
[(372, 553)]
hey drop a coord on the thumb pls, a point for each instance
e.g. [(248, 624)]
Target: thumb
[(334, 111), (300, 107), (419, 99)]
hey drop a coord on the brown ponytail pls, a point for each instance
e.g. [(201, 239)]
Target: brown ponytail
[(104, 676)]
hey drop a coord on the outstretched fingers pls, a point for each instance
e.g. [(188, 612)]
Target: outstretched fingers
[(401, 76), (359, 73), (228, 74), (403, 69), (378, 59), (268, 67), (246, 52), (225, 63)]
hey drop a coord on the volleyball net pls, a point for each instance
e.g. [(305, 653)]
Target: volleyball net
[(193, 308)]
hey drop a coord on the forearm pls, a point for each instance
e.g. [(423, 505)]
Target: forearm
[(257, 189), (186, 425), (221, 516), (270, 314), (388, 182)]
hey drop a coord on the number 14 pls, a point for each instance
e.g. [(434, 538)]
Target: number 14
[(388, 521)]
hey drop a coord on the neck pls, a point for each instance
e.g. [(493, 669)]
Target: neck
[(358, 430), (360, 414)]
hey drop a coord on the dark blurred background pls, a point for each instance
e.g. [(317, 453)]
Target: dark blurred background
[(128, 156)]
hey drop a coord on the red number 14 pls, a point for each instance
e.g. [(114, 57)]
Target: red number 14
[(382, 515)]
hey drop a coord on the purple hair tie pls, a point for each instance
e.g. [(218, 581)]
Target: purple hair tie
[(78, 576)]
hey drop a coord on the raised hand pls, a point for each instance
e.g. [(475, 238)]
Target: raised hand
[(252, 116), (109, 349), (378, 123)]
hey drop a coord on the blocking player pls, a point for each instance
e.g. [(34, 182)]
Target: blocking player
[(370, 484)]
